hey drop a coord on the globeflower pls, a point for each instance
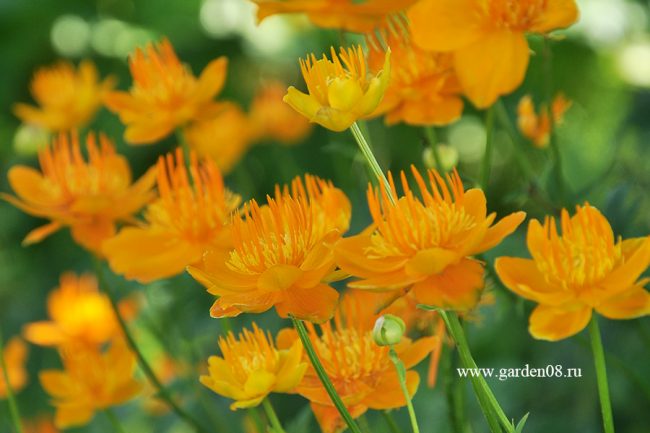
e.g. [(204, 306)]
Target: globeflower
[(88, 195), (537, 128), (487, 38), (585, 268), (350, 15), (282, 254), (271, 118), (15, 357), (165, 94), (423, 87), (190, 215), (91, 380), (359, 369), (425, 245), (224, 138), (79, 314), (251, 367), (340, 91), (67, 98)]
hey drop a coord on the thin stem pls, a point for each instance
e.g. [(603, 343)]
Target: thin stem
[(488, 402), (548, 90), (370, 158), (504, 120), (455, 392), (271, 415), (257, 419), (163, 393), (388, 417), (430, 134), (115, 422), (11, 398), (486, 164), (601, 375), (322, 375), (401, 375)]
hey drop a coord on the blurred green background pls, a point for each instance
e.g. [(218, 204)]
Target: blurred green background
[(603, 66)]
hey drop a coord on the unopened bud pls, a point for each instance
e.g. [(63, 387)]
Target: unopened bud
[(388, 330)]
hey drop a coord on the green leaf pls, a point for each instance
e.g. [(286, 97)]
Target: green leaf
[(521, 423)]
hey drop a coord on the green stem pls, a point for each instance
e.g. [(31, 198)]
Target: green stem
[(401, 374), (555, 148), (486, 164), (163, 393), (271, 415), (455, 392), (370, 158), (430, 134), (11, 398), (494, 415), (364, 424), (322, 375), (601, 375), (504, 120), (394, 428), (113, 420), (257, 420)]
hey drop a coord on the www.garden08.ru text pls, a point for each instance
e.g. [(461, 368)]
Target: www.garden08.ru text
[(550, 371)]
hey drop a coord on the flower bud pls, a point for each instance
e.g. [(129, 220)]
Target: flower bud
[(388, 330)]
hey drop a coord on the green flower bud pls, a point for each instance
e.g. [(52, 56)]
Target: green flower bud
[(388, 330)]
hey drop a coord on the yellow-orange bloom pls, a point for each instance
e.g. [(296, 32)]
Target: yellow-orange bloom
[(15, 356), (67, 98), (271, 118), (537, 128), (225, 138), (79, 314), (585, 268), (282, 254), (340, 91), (360, 370), (423, 87), (487, 38), (350, 15), (190, 216), (425, 245), (88, 195), (251, 368), (91, 380), (165, 94)]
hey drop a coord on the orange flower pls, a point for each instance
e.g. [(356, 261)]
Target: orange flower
[(68, 98), (89, 196), (271, 118), (250, 368), (350, 15), (360, 370), (425, 245), (282, 254), (535, 127), (79, 313), (165, 95), (91, 381), (15, 356), (423, 88), (225, 138), (584, 269), (487, 38), (186, 219)]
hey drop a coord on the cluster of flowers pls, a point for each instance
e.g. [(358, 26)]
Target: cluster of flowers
[(286, 252)]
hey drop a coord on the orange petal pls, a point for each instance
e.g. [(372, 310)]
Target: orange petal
[(92, 235), (558, 14), (493, 66), (556, 323), (40, 233), (388, 392), (629, 272), (315, 304), (212, 79), (522, 277), (43, 333), (630, 304), (430, 262), (30, 186), (350, 254), (278, 277), (416, 351), (458, 287), (148, 132), (444, 25), (500, 230)]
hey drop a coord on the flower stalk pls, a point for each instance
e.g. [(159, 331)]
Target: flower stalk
[(432, 140), (115, 422), (401, 374), (601, 375), (322, 375), (369, 156), (272, 416), (163, 393), (486, 163), (11, 398)]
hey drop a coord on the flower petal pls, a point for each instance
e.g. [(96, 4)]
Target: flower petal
[(556, 323), (630, 304)]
